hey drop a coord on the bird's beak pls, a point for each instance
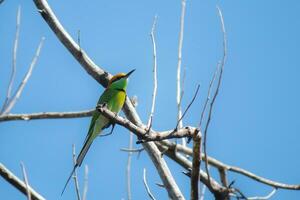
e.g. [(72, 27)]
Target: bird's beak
[(128, 74)]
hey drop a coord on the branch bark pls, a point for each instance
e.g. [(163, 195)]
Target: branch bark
[(102, 77), (19, 184), (46, 115)]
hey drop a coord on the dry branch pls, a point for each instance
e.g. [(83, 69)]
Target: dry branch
[(18, 184), (102, 77), (220, 165), (152, 34), (46, 115), (178, 77), (141, 132), (14, 61), (10, 104), (146, 185)]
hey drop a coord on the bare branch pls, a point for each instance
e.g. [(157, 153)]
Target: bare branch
[(208, 94), (75, 177), (180, 43), (187, 108), (146, 185), (102, 77), (141, 132), (18, 93), (219, 165), (202, 194), (265, 197), (223, 177), (196, 166), (85, 186), (14, 61), (133, 150), (154, 73), (46, 115), (218, 190), (223, 60), (26, 181), (128, 168), (78, 53), (18, 184)]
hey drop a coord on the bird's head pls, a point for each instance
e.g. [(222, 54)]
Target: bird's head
[(119, 81)]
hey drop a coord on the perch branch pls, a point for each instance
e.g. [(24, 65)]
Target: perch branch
[(141, 132)]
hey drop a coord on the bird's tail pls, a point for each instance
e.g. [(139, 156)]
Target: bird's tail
[(75, 166), (84, 150)]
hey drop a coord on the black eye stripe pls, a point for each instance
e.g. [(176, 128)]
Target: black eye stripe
[(117, 79)]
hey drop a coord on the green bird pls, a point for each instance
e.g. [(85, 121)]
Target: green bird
[(113, 98)]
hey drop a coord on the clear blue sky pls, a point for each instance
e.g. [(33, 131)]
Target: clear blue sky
[(256, 120)]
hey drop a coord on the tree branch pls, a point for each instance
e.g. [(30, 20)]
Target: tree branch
[(142, 133), (10, 104), (14, 61), (196, 166), (180, 42), (154, 73), (220, 165), (18, 184), (146, 185), (78, 53), (102, 77), (46, 115)]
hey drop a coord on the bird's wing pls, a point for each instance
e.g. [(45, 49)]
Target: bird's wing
[(97, 124)]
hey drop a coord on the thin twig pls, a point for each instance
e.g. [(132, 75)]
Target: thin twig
[(85, 186), (146, 185), (208, 94), (14, 60), (152, 35), (223, 60), (26, 181), (265, 197), (18, 184), (19, 91), (46, 115), (187, 108), (128, 168), (180, 43), (133, 150), (75, 177)]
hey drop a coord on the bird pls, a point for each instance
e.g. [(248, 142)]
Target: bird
[(113, 99)]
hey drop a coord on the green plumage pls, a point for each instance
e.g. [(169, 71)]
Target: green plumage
[(113, 97)]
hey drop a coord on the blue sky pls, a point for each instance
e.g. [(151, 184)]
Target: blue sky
[(256, 116)]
